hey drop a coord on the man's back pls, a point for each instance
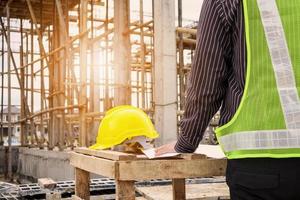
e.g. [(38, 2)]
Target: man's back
[(218, 79)]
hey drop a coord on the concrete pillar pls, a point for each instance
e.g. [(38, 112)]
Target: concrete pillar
[(122, 52), (165, 82)]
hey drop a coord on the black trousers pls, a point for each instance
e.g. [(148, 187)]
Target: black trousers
[(264, 179)]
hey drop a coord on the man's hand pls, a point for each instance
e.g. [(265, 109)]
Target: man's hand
[(167, 148)]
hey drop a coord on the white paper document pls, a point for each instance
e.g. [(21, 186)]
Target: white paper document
[(150, 153), (211, 151)]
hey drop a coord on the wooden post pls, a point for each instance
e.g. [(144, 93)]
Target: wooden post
[(51, 128), (125, 190), (122, 53), (22, 92), (42, 98), (82, 184), (62, 70), (181, 59), (92, 99), (2, 86), (70, 96), (143, 54), (9, 163), (94, 77), (32, 126), (25, 87), (106, 100), (83, 74), (178, 186), (55, 81)]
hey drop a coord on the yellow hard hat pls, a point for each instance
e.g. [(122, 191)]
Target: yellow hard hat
[(121, 123)]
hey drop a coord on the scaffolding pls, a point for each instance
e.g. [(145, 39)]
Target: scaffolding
[(73, 60)]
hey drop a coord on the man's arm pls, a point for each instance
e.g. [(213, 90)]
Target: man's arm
[(207, 84)]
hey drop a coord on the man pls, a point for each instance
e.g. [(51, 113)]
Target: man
[(247, 63)]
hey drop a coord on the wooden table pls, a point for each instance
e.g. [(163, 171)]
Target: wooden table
[(127, 168)]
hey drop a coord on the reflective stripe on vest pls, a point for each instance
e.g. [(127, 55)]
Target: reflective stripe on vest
[(286, 85), (281, 60), (275, 139)]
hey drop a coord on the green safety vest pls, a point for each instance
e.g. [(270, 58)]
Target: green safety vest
[(267, 122)]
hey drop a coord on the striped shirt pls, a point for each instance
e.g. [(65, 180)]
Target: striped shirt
[(217, 76)]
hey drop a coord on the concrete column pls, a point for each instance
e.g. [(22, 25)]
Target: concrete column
[(165, 81), (122, 52)]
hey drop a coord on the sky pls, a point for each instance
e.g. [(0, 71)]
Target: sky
[(191, 11), (190, 8)]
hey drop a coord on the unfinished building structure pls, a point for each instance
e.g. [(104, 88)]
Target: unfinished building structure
[(69, 61)]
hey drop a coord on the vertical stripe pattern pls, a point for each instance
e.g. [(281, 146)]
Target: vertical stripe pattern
[(217, 76)]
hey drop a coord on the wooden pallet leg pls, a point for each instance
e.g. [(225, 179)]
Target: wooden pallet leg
[(178, 189), (82, 184), (125, 190)]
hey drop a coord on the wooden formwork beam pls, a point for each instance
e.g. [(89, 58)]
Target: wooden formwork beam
[(143, 54), (9, 162), (186, 30), (47, 111), (62, 68), (22, 91), (83, 73), (181, 59), (32, 126), (2, 85), (122, 52), (42, 98), (106, 101)]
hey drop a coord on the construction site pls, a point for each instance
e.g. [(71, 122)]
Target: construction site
[(64, 64)]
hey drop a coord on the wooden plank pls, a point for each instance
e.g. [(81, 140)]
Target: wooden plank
[(125, 190), (192, 156), (93, 164), (82, 186), (169, 169), (178, 186), (185, 156), (108, 154), (186, 30), (207, 191)]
